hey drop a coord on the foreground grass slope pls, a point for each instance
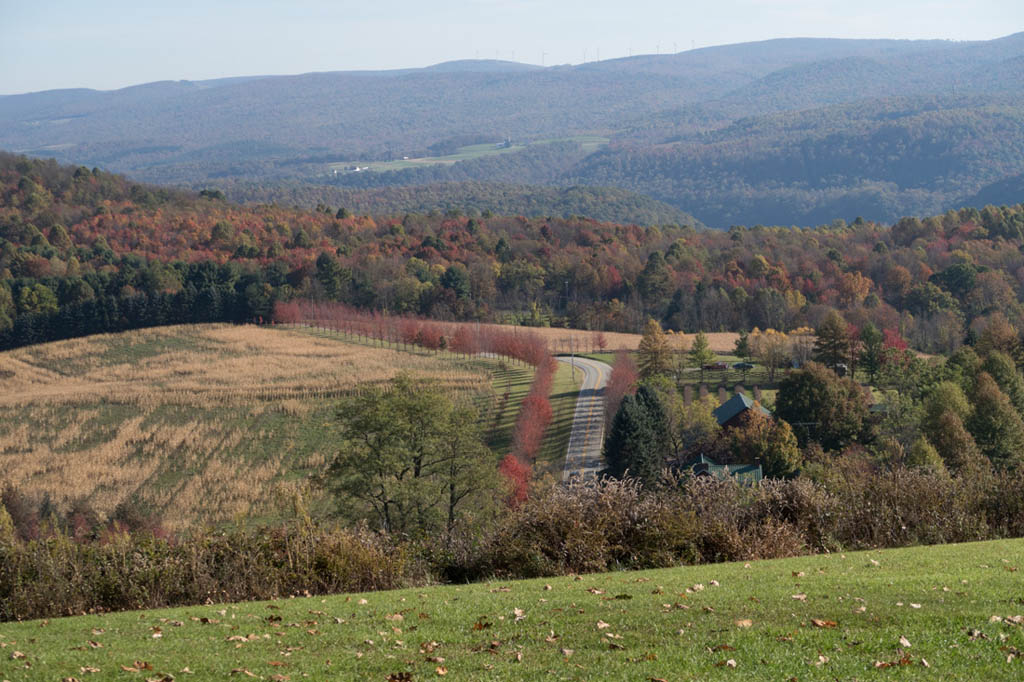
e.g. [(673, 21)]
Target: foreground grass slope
[(203, 423), (941, 612)]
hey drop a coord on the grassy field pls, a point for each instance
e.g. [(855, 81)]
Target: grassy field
[(204, 423), (945, 612), (564, 393), (581, 341), (467, 153)]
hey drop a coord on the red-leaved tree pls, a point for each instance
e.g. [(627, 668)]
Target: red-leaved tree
[(518, 474), (621, 383)]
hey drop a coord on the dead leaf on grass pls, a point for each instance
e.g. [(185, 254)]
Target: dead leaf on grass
[(744, 623), (818, 623)]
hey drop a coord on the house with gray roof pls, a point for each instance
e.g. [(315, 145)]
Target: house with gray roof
[(732, 410)]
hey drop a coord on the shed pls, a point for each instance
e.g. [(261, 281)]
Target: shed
[(743, 473)]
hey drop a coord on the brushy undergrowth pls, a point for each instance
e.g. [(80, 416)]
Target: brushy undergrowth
[(64, 566)]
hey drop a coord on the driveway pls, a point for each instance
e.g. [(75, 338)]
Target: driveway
[(583, 458)]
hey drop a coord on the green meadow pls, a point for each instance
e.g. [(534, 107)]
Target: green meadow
[(942, 612)]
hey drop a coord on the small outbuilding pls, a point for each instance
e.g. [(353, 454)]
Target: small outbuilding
[(742, 473)]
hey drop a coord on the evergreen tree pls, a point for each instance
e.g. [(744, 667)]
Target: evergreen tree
[(923, 455), (1002, 368), (955, 445), (638, 442), (701, 353), (831, 342), (654, 354), (743, 345), (653, 282), (872, 353), (945, 397), (996, 426)]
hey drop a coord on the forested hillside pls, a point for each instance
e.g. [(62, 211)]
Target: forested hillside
[(794, 131), (83, 251), (474, 198)]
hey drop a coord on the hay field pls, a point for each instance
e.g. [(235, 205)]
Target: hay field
[(564, 340), (203, 423)]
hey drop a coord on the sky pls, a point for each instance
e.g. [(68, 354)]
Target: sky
[(108, 44)]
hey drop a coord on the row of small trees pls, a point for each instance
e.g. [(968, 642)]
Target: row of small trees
[(466, 338)]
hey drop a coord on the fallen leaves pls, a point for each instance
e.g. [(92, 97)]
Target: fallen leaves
[(819, 623), (902, 660), (800, 597), (744, 623), (137, 666)]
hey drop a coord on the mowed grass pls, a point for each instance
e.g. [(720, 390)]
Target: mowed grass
[(942, 612), (510, 383), (564, 395), (206, 423)]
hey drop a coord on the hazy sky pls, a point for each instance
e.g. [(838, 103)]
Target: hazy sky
[(108, 44)]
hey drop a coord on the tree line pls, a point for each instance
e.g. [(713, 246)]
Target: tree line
[(70, 235)]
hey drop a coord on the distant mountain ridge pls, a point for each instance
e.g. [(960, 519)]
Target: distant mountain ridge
[(675, 115)]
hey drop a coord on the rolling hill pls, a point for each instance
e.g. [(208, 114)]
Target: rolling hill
[(858, 127)]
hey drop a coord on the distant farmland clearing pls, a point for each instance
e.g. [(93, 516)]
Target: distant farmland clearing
[(587, 142), (199, 423)]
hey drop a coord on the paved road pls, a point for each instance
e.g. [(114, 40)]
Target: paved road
[(583, 459)]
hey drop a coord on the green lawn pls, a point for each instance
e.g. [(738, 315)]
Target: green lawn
[(510, 383), (588, 143), (564, 394), (944, 612)]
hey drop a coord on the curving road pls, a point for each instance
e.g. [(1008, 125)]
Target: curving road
[(583, 458)]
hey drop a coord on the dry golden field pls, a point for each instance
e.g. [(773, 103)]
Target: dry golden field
[(202, 423), (564, 340)]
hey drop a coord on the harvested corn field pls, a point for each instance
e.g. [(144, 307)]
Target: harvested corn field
[(202, 423)]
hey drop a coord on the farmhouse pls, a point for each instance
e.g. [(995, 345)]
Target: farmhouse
[(730, 413)]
